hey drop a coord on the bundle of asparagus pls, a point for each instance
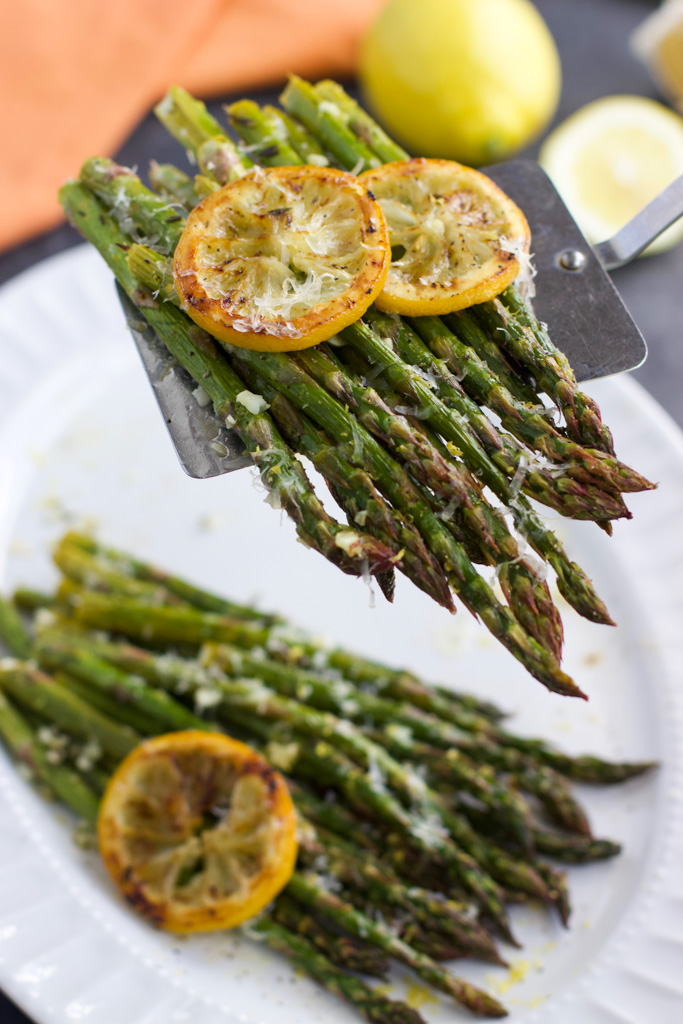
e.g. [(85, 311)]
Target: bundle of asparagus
[(421, 816), (393, 414)]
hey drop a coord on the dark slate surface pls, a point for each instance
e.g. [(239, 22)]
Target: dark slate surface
[(592, 36)]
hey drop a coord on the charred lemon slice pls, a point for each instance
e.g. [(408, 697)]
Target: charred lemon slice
[(455, 236), (198, 831), (283, 258)]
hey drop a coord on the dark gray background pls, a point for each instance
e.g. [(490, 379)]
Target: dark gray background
[(592, 36)]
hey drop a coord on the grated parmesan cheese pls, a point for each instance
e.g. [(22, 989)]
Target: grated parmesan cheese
[(527, 271), (348, 541), (201, 398), (255, 404)]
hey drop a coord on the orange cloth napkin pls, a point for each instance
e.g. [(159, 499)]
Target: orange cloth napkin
[(76, 76)]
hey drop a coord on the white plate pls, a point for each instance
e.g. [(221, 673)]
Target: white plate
[(81, 442)]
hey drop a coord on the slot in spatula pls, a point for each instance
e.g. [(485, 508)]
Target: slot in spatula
[(575, 297)]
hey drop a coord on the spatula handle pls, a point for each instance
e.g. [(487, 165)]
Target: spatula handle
[(656, 217)]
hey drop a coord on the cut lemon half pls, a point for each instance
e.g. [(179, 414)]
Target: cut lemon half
[(455, 236), (283, 258), (197, 831), (613, 157)]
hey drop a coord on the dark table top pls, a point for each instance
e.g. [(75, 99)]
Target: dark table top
[(592, 36)]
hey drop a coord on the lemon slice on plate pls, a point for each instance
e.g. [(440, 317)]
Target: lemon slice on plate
[(283, 258), (455, 236), (197, 831), (613, 157)]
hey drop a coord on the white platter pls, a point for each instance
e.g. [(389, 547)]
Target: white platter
[(81, 442)]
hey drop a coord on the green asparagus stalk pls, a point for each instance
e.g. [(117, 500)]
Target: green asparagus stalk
[(355, 492), (139, 214), (404, 685), (61, 780), (189, 593), (559, 489), (454, 768), (282, 475), (372, 1005), (582, 768), (30, 600), (528, 340), (362, 449), (494, 620), (341, 116), (85, 569), (163, 624), (173, 184), (332, 815), (395, 432), (42, 694), (115, 708), (536, 351), (487, 743), (300, 100), (344, 951), (68, 654), (466, 326), (306, 146), (359, 122), (359, 871), (537, 779), (528, 425), (188, 120), (308, 890), (13, 633), (61, 653), (556, 798), (557, 884), (574, 849), (264, 134), (572, 581)]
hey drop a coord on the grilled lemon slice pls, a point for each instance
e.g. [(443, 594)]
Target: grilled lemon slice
[(455, 236), (283, 258), (198, 831)]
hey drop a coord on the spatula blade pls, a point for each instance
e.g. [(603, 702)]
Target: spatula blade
[(204, 445), (584, 312)]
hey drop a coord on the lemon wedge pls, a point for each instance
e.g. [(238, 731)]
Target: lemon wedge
[(613, 157), (658, 41)]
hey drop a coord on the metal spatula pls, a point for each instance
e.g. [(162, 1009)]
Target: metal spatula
[(574, 296)]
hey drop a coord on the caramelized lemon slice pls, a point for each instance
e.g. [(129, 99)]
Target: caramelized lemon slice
[(283, 258), (455, 236), (198, 831)]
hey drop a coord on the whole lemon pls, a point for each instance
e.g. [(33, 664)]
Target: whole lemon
[(472, 80)]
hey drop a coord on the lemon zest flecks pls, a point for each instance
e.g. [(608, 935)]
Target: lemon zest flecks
[(417, 996), (517, 973)]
